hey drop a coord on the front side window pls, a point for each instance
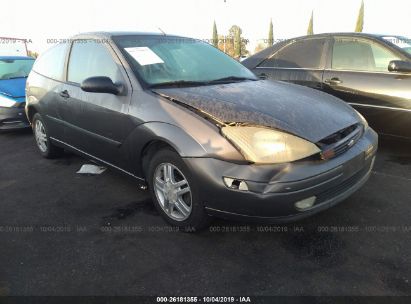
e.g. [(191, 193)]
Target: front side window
[(401, 42), (302, 54), (51, 63), (361, 55), (89, 58), (15, 68), (160, 60)]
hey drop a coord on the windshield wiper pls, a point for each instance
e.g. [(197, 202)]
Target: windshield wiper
[(231, 79), (178, 83), (181, 83)]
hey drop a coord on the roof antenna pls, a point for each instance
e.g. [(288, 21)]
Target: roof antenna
[(162, 31)]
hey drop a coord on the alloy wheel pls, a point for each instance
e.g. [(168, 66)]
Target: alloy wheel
[(41, 136), (172, 191)]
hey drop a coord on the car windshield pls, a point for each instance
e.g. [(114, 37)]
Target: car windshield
[(165, 60), (15, 68), (402, 42)]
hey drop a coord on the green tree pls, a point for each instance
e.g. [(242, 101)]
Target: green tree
[(310, 30), (223, 44), (360, 20), (235, 44), (260, 46), (270, 41), (32, 54), (215, 35)]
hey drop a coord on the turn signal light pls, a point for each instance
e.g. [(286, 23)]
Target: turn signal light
[(235, 184)]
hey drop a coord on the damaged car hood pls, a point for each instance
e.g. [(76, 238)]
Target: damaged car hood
[(305, 112)]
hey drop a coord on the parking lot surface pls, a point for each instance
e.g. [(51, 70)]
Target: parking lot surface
[(62, 233)]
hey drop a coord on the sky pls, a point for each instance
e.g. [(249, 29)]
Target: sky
[(44, 21)]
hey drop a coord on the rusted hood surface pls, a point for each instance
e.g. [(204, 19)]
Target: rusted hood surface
[(307, 113)]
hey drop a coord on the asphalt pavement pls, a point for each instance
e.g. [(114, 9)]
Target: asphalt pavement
[(62, 233)]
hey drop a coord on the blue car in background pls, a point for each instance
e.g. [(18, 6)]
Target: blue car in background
[(13, 75)]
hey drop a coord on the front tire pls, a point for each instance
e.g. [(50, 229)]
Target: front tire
[(174, 192), (44, 145)]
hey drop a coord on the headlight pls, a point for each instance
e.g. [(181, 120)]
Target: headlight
[(267, 146), (363, 120), (6, 102)]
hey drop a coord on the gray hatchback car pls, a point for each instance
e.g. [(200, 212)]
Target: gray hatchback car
[(198, 129)]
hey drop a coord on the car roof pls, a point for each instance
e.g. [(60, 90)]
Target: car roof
[(16, 57), (109, 35), (354, 34), (256, 59)]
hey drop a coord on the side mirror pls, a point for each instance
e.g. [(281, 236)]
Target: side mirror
[(101, 84), (399, 66)]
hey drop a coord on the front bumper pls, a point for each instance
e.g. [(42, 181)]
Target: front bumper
[(13, 118), (274, 189)]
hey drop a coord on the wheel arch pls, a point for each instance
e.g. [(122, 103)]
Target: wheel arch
[(149, 150), (30, 112), (149, 138)]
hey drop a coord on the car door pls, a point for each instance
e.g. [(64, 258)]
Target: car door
[(96, 123), (48, 72), (358, 73), (301, 62)]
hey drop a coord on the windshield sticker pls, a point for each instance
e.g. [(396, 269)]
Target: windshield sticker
[(144, 55)]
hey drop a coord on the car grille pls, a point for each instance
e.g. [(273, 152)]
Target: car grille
[(340, 142)]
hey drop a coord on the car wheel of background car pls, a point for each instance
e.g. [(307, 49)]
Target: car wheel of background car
[(46, 148), (174, 192)]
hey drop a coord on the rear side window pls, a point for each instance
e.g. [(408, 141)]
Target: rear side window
[(89, 58), (302, 54), (361, 55), (51, 62)]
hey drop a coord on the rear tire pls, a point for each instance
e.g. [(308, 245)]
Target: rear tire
[(174, 192), (41, 135)]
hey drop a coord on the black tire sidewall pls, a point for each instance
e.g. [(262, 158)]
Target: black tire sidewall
[(198, 218)]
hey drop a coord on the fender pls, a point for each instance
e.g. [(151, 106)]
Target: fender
[(150, 132), (32, 106)]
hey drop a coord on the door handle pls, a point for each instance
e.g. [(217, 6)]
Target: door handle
[(65, 94), (333, 81), (262, 76)]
